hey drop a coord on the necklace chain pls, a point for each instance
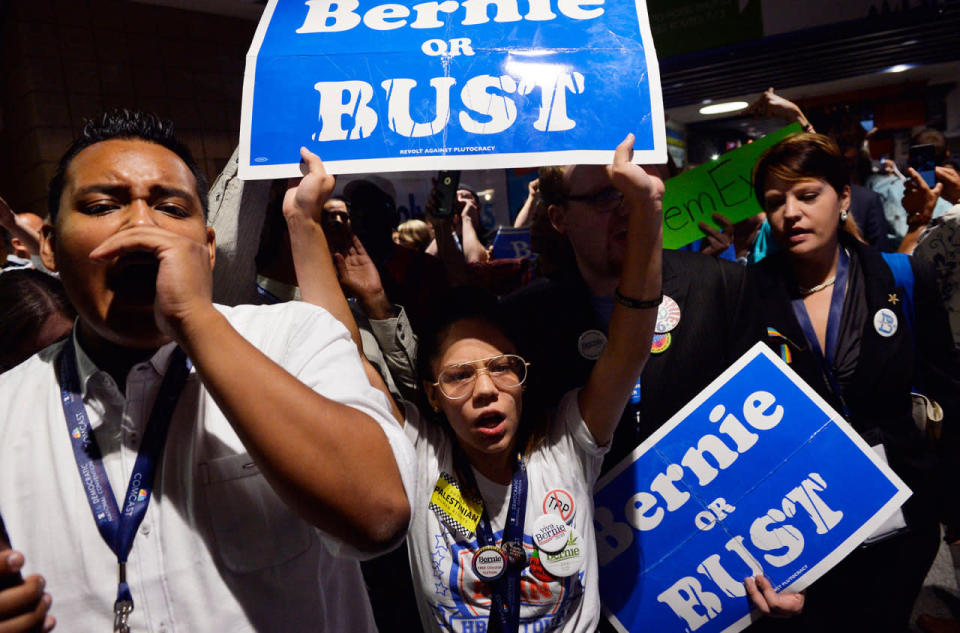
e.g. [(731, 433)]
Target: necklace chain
[(817, 288)]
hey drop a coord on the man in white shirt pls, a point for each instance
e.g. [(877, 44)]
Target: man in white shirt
[(274, 405)]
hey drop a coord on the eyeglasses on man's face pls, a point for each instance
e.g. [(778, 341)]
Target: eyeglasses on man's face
[(506, 371), (604, 201)]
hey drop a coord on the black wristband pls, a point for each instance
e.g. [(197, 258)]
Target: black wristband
[(637, 304)]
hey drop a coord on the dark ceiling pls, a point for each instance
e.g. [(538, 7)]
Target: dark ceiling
[(925, 35)]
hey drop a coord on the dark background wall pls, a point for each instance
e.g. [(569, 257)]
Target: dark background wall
[(64, 60)]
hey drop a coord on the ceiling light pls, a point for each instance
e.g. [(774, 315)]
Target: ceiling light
[(899, 68), (722, 108)]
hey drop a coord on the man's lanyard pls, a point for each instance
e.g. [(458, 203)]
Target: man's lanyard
[(505, 594), (834, 317), (119, 527)]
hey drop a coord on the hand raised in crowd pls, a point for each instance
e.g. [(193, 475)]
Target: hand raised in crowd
[(772, 105), (359, 277), (642, 191), (18, 228), (948, 177), (24, 606), (919, 200), (771, 603), (305, 196), (716, 242)]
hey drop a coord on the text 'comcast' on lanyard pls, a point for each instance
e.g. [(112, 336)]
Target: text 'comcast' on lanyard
[(119, 527), (828, 356), (501, 566)]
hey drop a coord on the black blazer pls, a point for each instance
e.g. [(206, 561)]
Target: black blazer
[(878, 396), (549, 316)]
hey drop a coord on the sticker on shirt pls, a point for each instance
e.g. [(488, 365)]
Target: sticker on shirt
[(885, 322), (458, 512), (567, 561), (591, 344), (668, 315), (559, 501)]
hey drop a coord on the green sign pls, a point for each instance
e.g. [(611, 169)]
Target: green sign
[(721, 186)]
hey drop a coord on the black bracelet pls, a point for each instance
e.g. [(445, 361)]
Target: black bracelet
[(637, 304)]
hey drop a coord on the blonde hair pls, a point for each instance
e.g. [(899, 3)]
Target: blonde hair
[(414, 234)]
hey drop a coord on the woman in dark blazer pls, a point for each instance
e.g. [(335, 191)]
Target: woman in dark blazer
[(827, 291)]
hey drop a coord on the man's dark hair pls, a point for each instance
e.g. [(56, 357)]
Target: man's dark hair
[(125, 124), (930, 136)]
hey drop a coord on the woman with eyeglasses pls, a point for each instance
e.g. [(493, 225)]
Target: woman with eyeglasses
[(502, 537), (838, 313)]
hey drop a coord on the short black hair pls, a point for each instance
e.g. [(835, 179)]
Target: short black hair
[(122, 123)]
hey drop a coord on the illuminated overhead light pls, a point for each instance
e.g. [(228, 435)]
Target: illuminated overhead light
[(714, 156), (721, 108), (486, 195), (706, 102), (910, 42), (899, 68)]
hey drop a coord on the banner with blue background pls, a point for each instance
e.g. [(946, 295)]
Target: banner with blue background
[(756, 475), (468, 84)]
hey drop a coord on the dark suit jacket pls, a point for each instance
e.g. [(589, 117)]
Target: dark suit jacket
[(548, 318), (878, 395), (866, 206)]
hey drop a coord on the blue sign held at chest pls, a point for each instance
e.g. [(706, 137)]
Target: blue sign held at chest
[(756, 475), (469, 84)]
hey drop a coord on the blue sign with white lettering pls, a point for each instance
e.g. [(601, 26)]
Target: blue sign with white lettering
[(457, 84), (511, 243), (756, 475)]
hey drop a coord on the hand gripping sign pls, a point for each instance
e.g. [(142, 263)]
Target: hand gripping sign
[(454, 84), (757, 474)]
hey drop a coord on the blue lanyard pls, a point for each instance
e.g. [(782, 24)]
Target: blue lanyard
[(834, 317), (505, 597), (118, 527)]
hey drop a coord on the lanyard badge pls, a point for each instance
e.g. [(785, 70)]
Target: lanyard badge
[(118, 526)]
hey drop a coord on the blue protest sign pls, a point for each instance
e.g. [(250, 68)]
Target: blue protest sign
[(756, 475), (511, 242), (468, 84)]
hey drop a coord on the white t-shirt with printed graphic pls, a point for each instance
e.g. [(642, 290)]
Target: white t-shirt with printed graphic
[(450, 597)]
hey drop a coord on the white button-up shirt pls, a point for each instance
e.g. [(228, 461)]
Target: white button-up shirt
[(217, 550)]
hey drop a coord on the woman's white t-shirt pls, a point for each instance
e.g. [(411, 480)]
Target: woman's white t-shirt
[(562, 469)]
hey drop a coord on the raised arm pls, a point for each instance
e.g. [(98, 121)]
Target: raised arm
[(319, 455), (631, 327)]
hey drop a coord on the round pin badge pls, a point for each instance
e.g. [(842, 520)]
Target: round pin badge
[(559, 501), (668, 315), (550, 533), (885, 322), (566, 562), (536, 568), (591, 344), (660, 343), (489, 562), (516, 555)]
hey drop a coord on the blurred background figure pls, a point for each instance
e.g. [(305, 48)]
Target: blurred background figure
[(414, 234), (34, 313)]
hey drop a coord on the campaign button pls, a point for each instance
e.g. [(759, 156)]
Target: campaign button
[(536, 568), (550, 533), (516, 555), (489, 562), (668, 315), (559, 501), (591, 344), (660, 343), (885, 322), (567, 561)]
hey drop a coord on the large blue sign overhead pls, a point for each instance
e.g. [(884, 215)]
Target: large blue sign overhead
[(469, 84), (756, 475)]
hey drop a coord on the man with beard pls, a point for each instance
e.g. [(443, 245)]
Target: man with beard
[(219, 418)]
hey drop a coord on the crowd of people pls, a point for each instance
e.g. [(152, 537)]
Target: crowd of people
[(282, 382)]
